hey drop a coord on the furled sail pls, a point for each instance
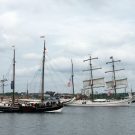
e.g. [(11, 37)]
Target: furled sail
[(96, 82), (120, 82)]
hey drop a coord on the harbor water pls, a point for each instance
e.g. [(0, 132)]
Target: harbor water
[(72, 121)]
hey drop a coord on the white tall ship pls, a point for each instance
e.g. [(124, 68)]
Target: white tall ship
[(93, 83)]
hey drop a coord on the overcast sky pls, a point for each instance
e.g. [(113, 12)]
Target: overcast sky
[(73, 29)]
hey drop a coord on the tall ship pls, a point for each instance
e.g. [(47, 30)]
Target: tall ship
[(30, 105), (92, 83)]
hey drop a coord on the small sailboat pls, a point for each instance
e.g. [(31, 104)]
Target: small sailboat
[(30, 105), (92, 83)]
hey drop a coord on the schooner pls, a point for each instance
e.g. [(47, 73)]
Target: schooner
[(30, 105)]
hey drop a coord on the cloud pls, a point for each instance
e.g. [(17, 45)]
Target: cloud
[(8, 20), (3, 48), (73, 29), (25, 72), (32, 56)]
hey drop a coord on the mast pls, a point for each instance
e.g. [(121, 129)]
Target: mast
[(13, 82), (43, 66), (27, 91), (3, 86), (91, 80), (114, 81), (72, 77), (91, 77)]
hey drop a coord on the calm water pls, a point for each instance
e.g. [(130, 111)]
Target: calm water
[(72, 121)]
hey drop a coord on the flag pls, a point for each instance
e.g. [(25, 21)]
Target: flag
[(12, 84)]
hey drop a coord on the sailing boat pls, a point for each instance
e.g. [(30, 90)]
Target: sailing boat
[(92, 83), (31, 106)]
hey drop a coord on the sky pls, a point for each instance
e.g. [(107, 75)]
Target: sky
[(73, 29)]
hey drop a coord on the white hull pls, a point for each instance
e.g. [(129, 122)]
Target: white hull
[(55, 111), (64, 101), (86, 103)]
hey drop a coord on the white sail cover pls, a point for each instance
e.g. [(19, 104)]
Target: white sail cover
[(119, 82), (96, 82)]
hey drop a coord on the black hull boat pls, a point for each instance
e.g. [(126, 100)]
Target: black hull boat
[(30, 108)]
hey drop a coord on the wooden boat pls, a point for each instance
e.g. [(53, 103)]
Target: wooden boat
[(30, 106)]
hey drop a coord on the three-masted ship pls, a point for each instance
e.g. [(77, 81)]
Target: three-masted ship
[(93, 83)]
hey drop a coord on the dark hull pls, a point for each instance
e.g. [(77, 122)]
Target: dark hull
[(29, 109)]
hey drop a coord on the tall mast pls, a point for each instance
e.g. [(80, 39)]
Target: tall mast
[(43, 66), (91, 75), (113, 72), (3, 86), (72, 77), (27, 91), (13, 82)]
